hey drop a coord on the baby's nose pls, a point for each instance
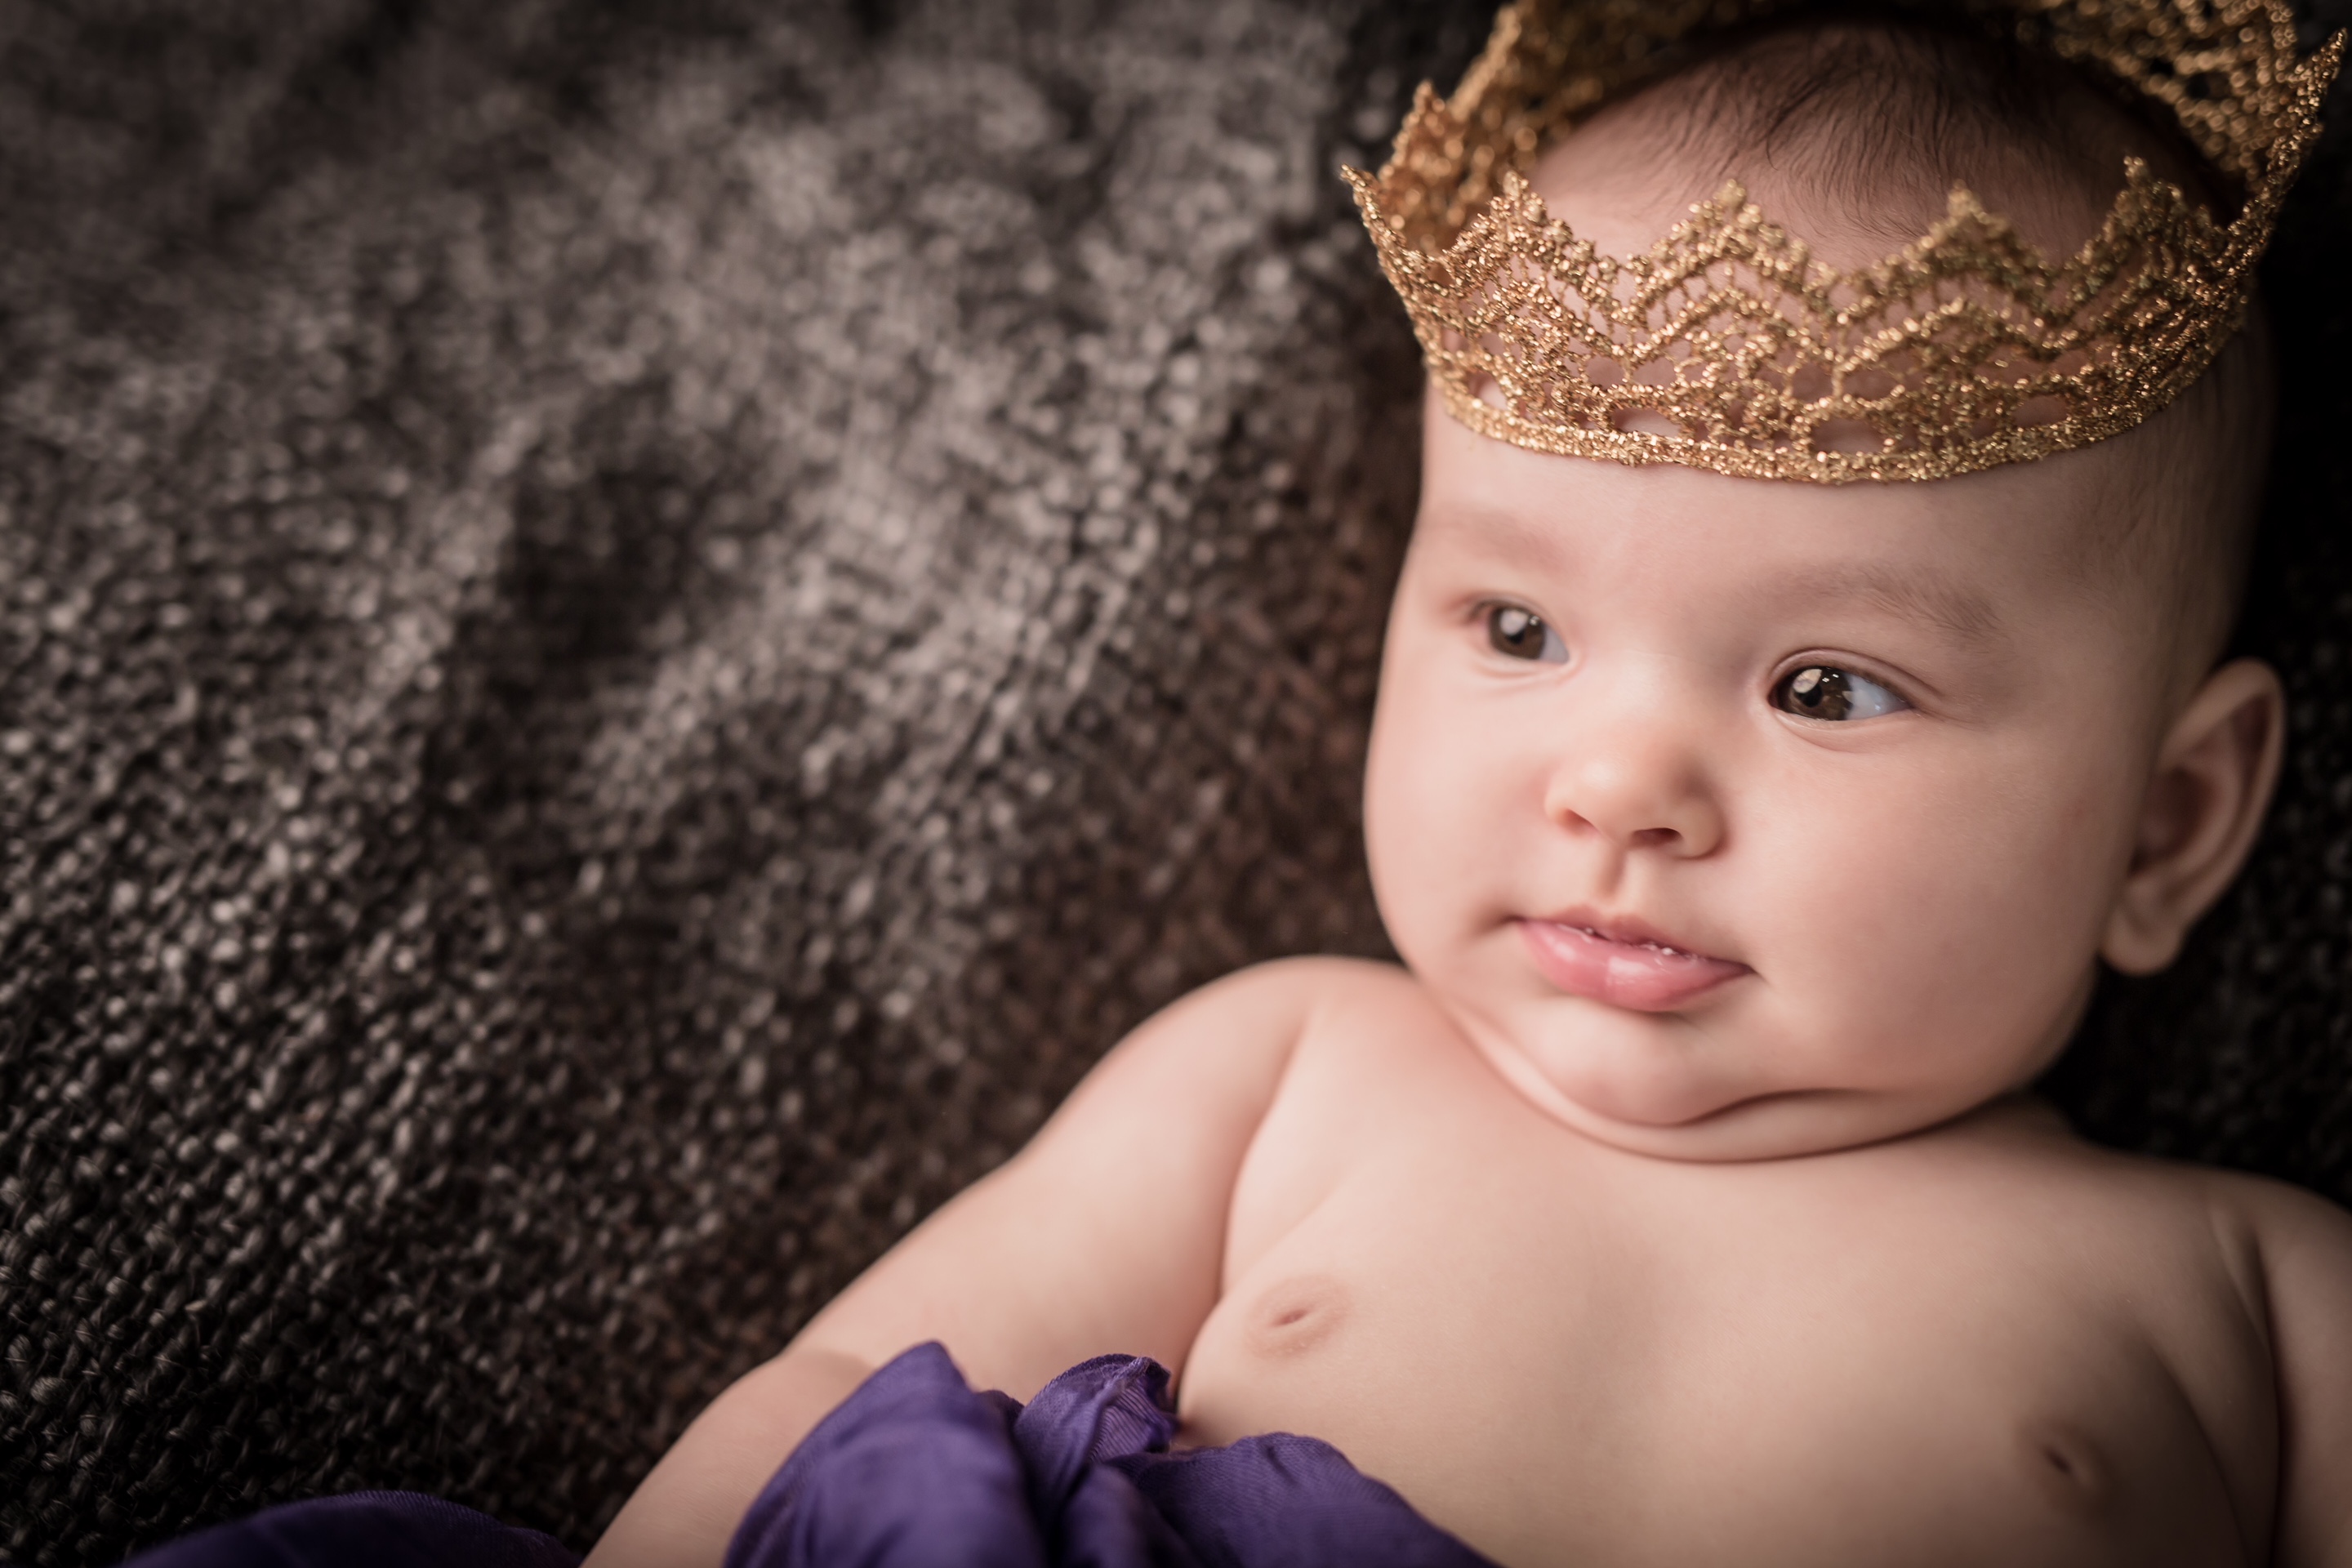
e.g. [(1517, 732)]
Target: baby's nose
[(1639, 791)]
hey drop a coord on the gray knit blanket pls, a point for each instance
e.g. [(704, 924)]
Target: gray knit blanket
[(631, 629)]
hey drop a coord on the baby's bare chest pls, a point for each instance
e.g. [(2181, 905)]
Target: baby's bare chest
[(1609, 1361)]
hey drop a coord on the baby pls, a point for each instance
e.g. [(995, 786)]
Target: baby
[(1751, 846)]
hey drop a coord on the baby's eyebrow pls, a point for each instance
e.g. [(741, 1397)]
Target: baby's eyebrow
[(1496, 529), (1919, 595)]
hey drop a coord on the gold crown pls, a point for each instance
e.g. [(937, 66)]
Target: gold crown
[(1727, 347)]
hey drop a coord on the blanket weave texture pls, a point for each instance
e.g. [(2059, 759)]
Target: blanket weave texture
[(631, 629)]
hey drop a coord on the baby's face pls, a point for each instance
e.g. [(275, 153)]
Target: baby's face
[(1732, 818)]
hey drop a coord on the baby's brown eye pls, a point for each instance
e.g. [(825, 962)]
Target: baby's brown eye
[(1521, 634), (1824, 691)]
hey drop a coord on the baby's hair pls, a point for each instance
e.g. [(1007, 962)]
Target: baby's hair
[(1857, 108), (1854, 129)]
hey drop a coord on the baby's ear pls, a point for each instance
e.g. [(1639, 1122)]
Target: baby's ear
[(2205, 800)]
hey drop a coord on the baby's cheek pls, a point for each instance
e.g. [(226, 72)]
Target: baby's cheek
[(1950, 921), (1409, 835), (1441, 795)]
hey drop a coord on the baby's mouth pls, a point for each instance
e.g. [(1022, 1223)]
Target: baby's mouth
[(1623, 966)]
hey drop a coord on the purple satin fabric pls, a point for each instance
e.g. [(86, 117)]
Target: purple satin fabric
[(916, 1471)]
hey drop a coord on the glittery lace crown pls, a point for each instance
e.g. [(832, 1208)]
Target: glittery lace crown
[(1726, 347)]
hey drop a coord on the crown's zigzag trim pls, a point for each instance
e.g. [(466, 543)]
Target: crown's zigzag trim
[(1727, 346)]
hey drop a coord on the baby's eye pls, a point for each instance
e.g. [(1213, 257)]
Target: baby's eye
[(1825, 691), (1521, 634)]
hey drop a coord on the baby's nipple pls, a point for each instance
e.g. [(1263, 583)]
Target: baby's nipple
[(2068, 1464), (1295, 1315)]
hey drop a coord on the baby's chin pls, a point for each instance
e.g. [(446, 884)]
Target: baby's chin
[(1661, 1097)]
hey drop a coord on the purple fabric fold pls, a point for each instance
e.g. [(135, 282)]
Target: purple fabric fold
[(916, 1471), (1287, 1499)]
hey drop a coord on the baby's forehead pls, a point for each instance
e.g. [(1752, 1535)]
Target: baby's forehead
[(1951, 550)]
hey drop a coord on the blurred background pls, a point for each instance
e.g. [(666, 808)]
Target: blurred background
[(630, 631)]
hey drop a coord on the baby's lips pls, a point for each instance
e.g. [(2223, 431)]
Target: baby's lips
[(1644, 975)]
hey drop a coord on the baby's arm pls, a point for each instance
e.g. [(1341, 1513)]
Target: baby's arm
[(2307, 1253), (1106, 1234)]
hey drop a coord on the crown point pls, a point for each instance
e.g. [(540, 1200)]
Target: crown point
[(1726, 296)]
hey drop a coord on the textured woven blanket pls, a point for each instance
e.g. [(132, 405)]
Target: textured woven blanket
[(629, 630)]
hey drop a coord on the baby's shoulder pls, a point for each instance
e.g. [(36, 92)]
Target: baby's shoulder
[(2300, 1243), (2301, 1250), (1234, 1045), (1323, 980), (2268, 1226), (2287, 1250), (1374, 1057), (1355, 1012), (1320, 1002), (1275, 1002), (2272, 1212), (2247, 1216)]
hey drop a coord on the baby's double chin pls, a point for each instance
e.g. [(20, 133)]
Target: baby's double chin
[(1640, 1093), (1661, 1085), (1682, 1100), (1621, 1092), (1670, 1111)]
